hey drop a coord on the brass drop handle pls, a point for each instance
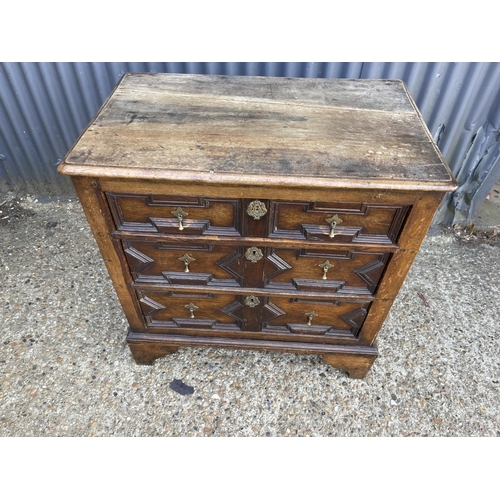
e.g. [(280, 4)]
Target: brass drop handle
[(310, 315), (192, 308), (333, 221), (325, 266), (187, 259), (180, 214)]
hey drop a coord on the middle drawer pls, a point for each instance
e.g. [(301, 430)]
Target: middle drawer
[(332, 271)]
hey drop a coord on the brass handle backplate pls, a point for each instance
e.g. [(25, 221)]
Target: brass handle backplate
[(256, 209), (187, 259), (325, 266), (333, 221), (180, 214), (191, 308), (310, 315)]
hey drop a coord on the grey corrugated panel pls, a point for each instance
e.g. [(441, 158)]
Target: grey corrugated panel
[(464, 98), (484, 184), (18, 115), (59, 117), (455, 100), (468, 177), (44, 107)]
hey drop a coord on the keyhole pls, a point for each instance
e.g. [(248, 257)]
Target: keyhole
[(253, 254), (252, 301)]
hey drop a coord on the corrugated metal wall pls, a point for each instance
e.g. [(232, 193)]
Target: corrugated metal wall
[(44, 107)]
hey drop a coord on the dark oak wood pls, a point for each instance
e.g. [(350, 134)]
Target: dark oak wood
[(410, 241), (249, 316), (262, 190), (261, 242), (292, 294), (220, 205), (204, 216), (145, 353), (99, 218), (161, 261), (357, 366), (360, 222), (356, 361)]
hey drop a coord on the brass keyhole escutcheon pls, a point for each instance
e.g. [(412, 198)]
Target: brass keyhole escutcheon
[(252, 301), (256, 209), (180, 214), (334, 220), (254, 254), (191, 308), (325, 266), (187, 259), (310, 315)]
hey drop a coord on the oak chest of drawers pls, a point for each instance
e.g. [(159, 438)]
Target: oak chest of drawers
[(278, 214)]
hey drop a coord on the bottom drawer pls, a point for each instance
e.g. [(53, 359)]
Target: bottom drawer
[(325, 318), (200, 311), (277, 317)]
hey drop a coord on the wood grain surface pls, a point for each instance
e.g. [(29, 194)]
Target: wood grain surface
[(231, 129)]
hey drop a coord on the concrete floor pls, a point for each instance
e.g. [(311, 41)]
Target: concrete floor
[(65, 369)]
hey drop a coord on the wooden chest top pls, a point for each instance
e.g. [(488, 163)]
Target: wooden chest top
[(253, 130)]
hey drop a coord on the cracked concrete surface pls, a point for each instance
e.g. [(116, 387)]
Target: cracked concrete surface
[(65, 369)]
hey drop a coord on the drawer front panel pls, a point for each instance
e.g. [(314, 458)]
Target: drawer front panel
[(178, 215), (306, 270), (194, 311), (193, 264), (327, 319), (337, 222), (328, 271), (309, 320)]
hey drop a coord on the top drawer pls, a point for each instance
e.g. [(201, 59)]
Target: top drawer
[(179, 215), (337, 222), (326, 222)]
